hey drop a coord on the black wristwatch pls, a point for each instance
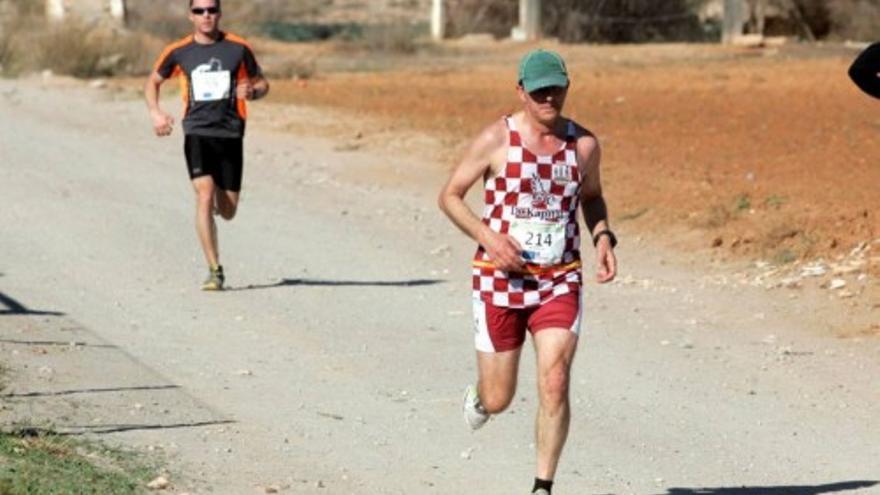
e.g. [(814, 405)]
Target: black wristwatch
[(610, 235)]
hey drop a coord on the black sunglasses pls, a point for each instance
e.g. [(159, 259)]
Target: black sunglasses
[(202, 11), (541, 94)]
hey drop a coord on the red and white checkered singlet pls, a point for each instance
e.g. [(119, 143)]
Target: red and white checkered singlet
[(539, 188)]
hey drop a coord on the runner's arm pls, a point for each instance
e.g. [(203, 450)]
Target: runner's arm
[(865, 70), (255, 86), (594, 208), (163, 123), (261, 87), (502, 249)]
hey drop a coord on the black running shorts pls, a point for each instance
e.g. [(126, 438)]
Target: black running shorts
[(221, 158)]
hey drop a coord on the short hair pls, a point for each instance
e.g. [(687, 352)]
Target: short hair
[(216, 1)]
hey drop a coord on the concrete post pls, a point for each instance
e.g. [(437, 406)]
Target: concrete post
[(118, 11), (55, 10), (438, 20), (735, 17), (529, 28)]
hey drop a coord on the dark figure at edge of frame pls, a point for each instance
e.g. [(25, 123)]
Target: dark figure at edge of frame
[(865, 70)]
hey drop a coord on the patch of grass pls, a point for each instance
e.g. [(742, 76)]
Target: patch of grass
[(35, 463), (775, 201), (293, 69), (300, 32), (394, 38), (632, 215), (784, 257), (743, 203)]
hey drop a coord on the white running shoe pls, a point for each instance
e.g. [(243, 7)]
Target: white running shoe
[(474, 414), (541, 491)]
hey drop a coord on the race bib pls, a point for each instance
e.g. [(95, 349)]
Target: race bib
[(211, 86), (543, 243)]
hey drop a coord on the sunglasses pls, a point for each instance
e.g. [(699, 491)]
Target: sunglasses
[(541, 94), (203, 11)]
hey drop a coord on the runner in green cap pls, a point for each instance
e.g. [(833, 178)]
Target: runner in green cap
[(539, 169)]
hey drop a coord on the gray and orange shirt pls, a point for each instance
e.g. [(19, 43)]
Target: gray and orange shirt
[(210, 75)]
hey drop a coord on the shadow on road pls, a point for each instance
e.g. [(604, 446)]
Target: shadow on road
[(341, 283), (107, 429), (90, 391), (14, 307), (72, 343), (775, 490)]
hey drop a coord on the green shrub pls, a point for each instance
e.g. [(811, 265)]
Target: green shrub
[(395, 38)]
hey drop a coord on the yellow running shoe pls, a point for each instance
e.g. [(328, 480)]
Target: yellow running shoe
[(215, 279)]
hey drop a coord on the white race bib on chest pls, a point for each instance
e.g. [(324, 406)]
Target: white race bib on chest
[(211, 86), (543, 243)]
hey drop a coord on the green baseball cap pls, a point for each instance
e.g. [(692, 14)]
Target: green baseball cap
[(541, 69)]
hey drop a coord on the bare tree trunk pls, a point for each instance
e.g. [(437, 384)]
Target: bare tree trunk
[(795, 10), (760, 16), (757, 15)]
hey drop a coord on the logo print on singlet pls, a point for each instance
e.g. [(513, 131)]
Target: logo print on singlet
[(213, 65), (540, 197), (542, 202), (561, 173)]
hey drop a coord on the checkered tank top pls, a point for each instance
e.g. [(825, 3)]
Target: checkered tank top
[(543, 188)]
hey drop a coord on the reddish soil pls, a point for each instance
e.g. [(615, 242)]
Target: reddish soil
[(764, 154)]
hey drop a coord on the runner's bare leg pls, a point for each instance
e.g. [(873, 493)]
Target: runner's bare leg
[(227, 203), (205, 227), (555, 348), (497, 383)]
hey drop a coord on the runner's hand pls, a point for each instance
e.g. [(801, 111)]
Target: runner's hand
[(606, 262), (163, 123), (503, 250), (245, 90)]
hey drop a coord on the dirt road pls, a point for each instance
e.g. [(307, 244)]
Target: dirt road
[(336, 362)]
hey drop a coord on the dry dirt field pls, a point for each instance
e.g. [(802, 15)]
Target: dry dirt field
[(773, 154), (340, 350), (766, 155)]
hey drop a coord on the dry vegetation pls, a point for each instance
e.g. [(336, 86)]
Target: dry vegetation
[(28, 43), (77, 48), (855, 19), (631, 21)]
